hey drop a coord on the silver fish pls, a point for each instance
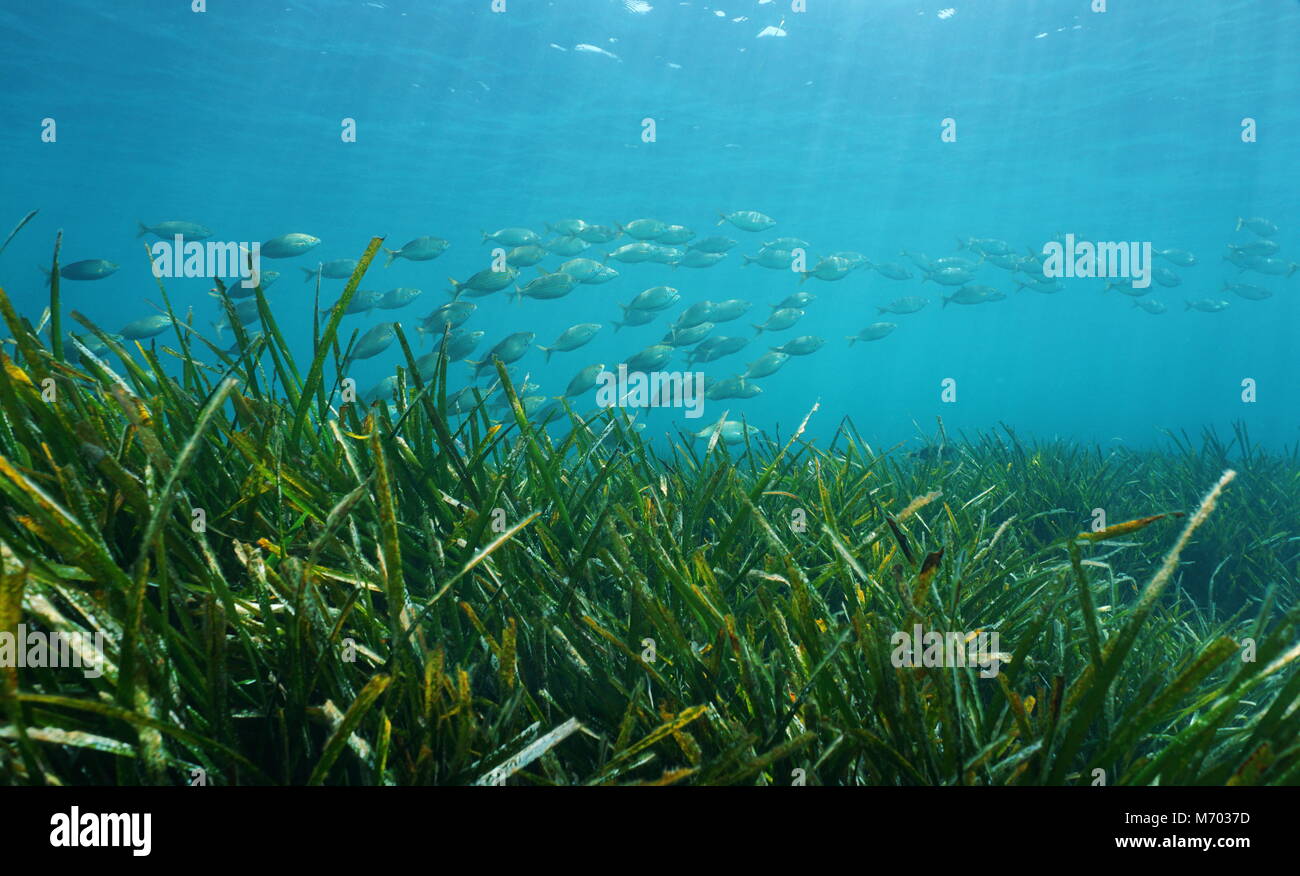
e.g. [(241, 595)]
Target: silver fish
[(88, 269), (685, 337), (972, 294), (780, 320), (525, 256), (697, 259), (873, 332), (546, 287), (776, 259), (798, 299), (168, 230), (289, 245), (732, 308), (829, 269), (652, 358), (422, 249), (713, 245), (485, 282), (675, 234), (1180, 257), (582, 270), (635, 317), (245, 311), (567, 227), (599, 234), (644, 229), (399, 297), (736, 386), (949, 275), (632, 253), (338, 269), (584, 380), (984, 245), (1247, 291), (1257, 224), (697, 313), (712, 349), (509, 350), (654, 298), (149, 327), (908, 304), (803, 345), (1150, 305), (571, 338), (892, 270), (374, 342), (567, 246), (748, 220), (513, 236), (767, 364), (452, 314)]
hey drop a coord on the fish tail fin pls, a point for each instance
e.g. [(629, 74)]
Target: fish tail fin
[(758, 329), (723, 217), (804, 275), (309, 273), (219, 327), (961, 244), (547, 350), (1187, 305), (746, 261), (144, 229), (392, 256), (852, 339), (882, 310), (486, 236), (618, 325), (946, 299), (1240, 222)]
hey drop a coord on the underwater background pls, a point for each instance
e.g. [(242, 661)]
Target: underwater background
[(1122, 125)]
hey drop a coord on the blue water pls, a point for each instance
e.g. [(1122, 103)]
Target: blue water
[(1124, 125)]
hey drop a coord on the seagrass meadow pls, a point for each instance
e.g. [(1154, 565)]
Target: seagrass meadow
[(297, 591)]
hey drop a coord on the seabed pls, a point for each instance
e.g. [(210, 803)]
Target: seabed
[(290, 591)]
